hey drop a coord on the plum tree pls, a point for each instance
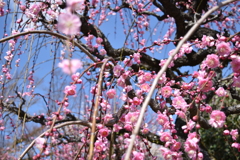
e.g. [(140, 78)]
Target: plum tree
[(130, 79)]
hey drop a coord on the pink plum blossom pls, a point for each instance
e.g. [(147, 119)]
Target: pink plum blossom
[(200, 156), (94, 2), (8, 75), (189, 126), (223, 49), (116, 128), (11, 43), (136, 101), (191, 145), (128, 62), (23, 7), (99, 40), (136, 57), (69, 23), (40, 142), (146, 24), (167, 154), (70, 90), (176, 146), (162, 79), (105, 105), (94, 90), (142, 42), (2, 128), (5, 70), (70, 66), (121, 82), (236, 81), (205, 84), (179, 103), (207, 41), (52, 14), (177, 93), (138, 155), (180, 114), (126, 74), (166, 137), (139, 93), (147, 76), (33, 11), (107, 117), (75, 78), (117, 70), (186, 48), (236, 145), (75, 4), (145, 87), (234, 134), (226, 132), (212, 61), (162, 119), (59, 2), (163, 61), (2, 4), (217, 119), (104, 132), (141, 79), (128, 88), (221, 38), (195, 74), (111, 93), (235, 63), (128, 127), (103, 52), (14, 32), (99, 146), (221, 92), (9, 56), (187, 86), (132, 117), (145, 130), (208, 109), (2, 13), (166, 91)]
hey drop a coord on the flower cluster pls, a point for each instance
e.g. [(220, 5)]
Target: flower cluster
[(217, 119), (109, 105), (191, 146)]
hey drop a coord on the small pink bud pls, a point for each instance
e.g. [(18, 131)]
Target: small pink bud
[(198, 126), (226, 132), (195, 118)]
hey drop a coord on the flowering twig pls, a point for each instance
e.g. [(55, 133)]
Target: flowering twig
[(53, 34), (76, 157), (163, 69), (80, 122), (59, 109), (95, 110)]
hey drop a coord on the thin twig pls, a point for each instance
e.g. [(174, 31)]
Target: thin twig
[(53, 34), (80, 122), (79, 151), (59, 109), (95, 110)]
